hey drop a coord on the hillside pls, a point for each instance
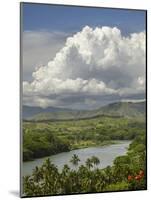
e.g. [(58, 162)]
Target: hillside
[(127, 109), (124, 109), (29, 111)]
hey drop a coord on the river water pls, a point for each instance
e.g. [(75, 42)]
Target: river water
[(106, 154)]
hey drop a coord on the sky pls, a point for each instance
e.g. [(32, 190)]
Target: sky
[(80, 57)]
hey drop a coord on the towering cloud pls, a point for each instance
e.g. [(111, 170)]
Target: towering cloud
[(92, 64)]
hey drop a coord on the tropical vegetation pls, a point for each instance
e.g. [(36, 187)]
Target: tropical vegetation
[(128, 172), (47, 138)]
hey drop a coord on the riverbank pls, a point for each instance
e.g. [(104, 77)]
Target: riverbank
[(51, 138), (106, 154), (83, 145), (87, 144), (116, 170)]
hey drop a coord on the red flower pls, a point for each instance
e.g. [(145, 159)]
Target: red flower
[(129, 177), (138, 177)]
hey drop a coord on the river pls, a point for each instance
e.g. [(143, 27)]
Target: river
[(106, 154)]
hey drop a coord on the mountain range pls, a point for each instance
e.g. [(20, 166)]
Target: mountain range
[(125, 109)]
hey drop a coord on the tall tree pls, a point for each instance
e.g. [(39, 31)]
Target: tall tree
[(89, 163), (95, 160), (75, 160)]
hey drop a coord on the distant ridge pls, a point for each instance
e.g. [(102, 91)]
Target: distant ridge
[(126, 109), (29, 111)]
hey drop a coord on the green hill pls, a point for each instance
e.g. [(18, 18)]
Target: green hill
[(119, 109), (128, 109)]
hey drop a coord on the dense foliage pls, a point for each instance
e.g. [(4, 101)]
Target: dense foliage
[(41, 142), (127, 173), (48, 138)]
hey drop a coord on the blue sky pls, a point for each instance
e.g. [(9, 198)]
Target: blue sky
[(73, 57), (72, 18)]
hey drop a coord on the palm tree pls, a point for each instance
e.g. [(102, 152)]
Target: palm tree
[(89, 163), (65, 170), (66, 186), (109, 174), (95, 160), (50, 177), (75, 160), (36, 174)]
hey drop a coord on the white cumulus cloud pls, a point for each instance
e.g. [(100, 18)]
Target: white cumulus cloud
[(93, 63), (38, 48)]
